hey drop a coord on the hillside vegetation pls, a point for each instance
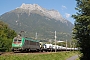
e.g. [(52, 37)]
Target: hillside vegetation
[(6, 36)]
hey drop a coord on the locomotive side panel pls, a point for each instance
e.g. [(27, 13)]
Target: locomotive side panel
[(31, 45)]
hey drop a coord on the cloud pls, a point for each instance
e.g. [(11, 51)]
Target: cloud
[(67, 15), (64, 7)]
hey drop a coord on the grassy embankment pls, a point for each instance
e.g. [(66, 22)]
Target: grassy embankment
[(46, 56)]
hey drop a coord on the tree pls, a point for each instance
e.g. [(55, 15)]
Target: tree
[(81, 31), (6, 36)]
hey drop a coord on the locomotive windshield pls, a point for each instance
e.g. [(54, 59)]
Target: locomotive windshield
[(17, 39)]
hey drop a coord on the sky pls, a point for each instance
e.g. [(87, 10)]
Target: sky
[(65, 7)]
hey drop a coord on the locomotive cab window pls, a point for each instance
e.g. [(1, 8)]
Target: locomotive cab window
[(19, 40), (15, 40)]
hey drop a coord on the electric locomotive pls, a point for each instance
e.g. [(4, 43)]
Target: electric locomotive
[(25, 44)]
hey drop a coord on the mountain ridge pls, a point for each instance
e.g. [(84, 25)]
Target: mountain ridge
[(33, 21), (28, 8)]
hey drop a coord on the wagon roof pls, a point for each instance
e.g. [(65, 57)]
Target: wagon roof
[(31, 39)]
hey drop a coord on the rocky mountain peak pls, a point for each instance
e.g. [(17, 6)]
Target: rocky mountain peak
[(31, 6), (49, 13)]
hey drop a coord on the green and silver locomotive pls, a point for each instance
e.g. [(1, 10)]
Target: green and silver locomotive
[(25, 44)]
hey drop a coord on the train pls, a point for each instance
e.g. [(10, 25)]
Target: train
[(24, 44)]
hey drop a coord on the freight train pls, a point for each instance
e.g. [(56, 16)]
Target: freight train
[(25, 44)]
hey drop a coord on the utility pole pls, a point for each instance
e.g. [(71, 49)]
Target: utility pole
[(55, 41), (66, 44), (36, 35), (70, 45)]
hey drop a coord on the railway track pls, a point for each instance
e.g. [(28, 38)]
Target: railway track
[(6, 53), (24, 53)]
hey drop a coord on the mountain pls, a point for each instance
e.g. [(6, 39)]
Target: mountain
[(32, 18)]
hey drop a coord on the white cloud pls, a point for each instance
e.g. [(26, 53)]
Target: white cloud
[(64, 7), (67, 15)]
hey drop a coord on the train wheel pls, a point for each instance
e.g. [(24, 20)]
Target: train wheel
[(37, 50)]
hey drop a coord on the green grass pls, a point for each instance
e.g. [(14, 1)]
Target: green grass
[(77, 59), (50, 56)]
